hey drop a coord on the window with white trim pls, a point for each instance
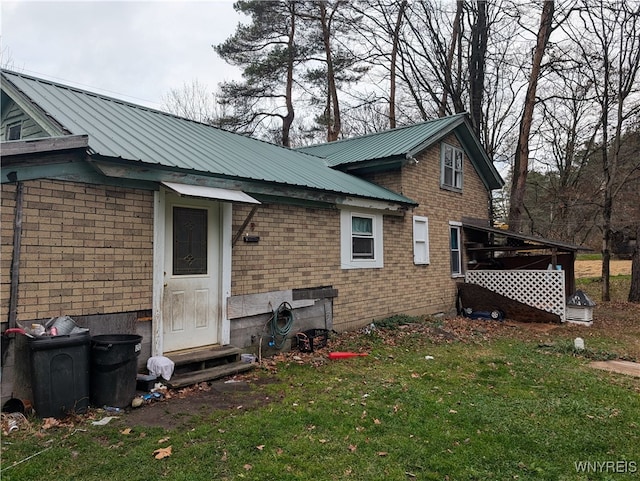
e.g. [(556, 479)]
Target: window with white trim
[(451, 167), (455, 239), (361, 240), (420, 240)]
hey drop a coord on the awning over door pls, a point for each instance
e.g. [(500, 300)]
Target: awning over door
[(210, 192)]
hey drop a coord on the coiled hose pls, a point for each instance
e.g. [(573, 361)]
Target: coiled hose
[(280, 325)]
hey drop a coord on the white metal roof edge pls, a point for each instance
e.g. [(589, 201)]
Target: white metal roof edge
[(211, 192)]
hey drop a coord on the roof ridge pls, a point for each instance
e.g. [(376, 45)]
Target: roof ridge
[(395, 129), (104, 97), (137, 106)]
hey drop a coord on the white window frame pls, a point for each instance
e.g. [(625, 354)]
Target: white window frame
[(346, 241), (457, 164), (457, 228), (420, 240)]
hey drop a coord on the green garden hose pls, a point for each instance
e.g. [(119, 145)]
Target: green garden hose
[(281, 323)]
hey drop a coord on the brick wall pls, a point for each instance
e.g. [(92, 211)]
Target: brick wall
[(300, 247), (86, 249)]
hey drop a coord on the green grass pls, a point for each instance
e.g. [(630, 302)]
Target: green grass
[(479, 410), (618, 287), (589, 257)]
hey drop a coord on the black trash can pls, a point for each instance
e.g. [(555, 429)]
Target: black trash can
[(114, 365), (60, 374)]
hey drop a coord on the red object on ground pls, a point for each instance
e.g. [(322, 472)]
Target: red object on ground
[(345, 355)]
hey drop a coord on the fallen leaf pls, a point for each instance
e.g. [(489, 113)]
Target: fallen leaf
[(382, 453), (162, 452), (260, 448), (50, 423), (224, 456), (248, 467), (126, 431), (415, 375), (279, 451), (377, 421), (453, 411), (163, 440), (353, 448)]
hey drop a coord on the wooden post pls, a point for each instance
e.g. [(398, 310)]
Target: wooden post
[(15, 260)]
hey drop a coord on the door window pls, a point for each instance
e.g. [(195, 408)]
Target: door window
[(189, 241)]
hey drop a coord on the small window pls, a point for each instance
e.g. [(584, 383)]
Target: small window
[(420, 240), (456, 252), (451, 173), (14, 131), (362, 237), (189, 241), (361, 240)]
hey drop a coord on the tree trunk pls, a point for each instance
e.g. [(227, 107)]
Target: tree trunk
[(455, 34), (521, 160), (479, 34), (287, 120), (334, 124), (394, 59), (634, 291)]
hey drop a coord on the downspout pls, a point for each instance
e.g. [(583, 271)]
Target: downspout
[(15, 262)]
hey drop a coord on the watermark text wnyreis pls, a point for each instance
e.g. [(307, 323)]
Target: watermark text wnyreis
[(621, 467)]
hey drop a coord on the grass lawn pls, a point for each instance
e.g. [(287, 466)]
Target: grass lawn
[(434, 400)]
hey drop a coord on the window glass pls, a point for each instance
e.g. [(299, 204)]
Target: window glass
[(452, 163), (362, 238), (189, 241), (456, 254), (14, 132)]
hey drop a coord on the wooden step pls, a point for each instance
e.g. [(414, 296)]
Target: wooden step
[(194, 377), (228, 352)]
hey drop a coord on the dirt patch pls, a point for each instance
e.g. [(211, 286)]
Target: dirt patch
[(594, 268), (182, 408)]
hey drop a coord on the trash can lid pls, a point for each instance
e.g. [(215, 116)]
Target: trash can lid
[(116, 339), (580, 299)]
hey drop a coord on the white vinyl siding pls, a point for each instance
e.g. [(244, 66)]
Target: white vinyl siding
[(420, 240)]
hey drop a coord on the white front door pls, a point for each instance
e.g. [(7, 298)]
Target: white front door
[(191, 314)]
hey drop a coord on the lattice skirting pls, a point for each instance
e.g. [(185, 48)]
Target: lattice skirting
[(542, 289)]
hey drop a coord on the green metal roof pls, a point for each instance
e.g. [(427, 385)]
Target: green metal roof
[(406, 142), (121, 130)]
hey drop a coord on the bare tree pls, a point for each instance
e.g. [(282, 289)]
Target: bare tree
[(613, 62), (195, 102), (521, 159)]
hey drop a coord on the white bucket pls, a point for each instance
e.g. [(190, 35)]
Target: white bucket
[(248, 358)]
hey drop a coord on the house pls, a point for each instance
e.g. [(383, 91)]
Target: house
[(131, 220)]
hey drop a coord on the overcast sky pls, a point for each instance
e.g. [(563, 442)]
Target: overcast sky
[(134, 50)]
